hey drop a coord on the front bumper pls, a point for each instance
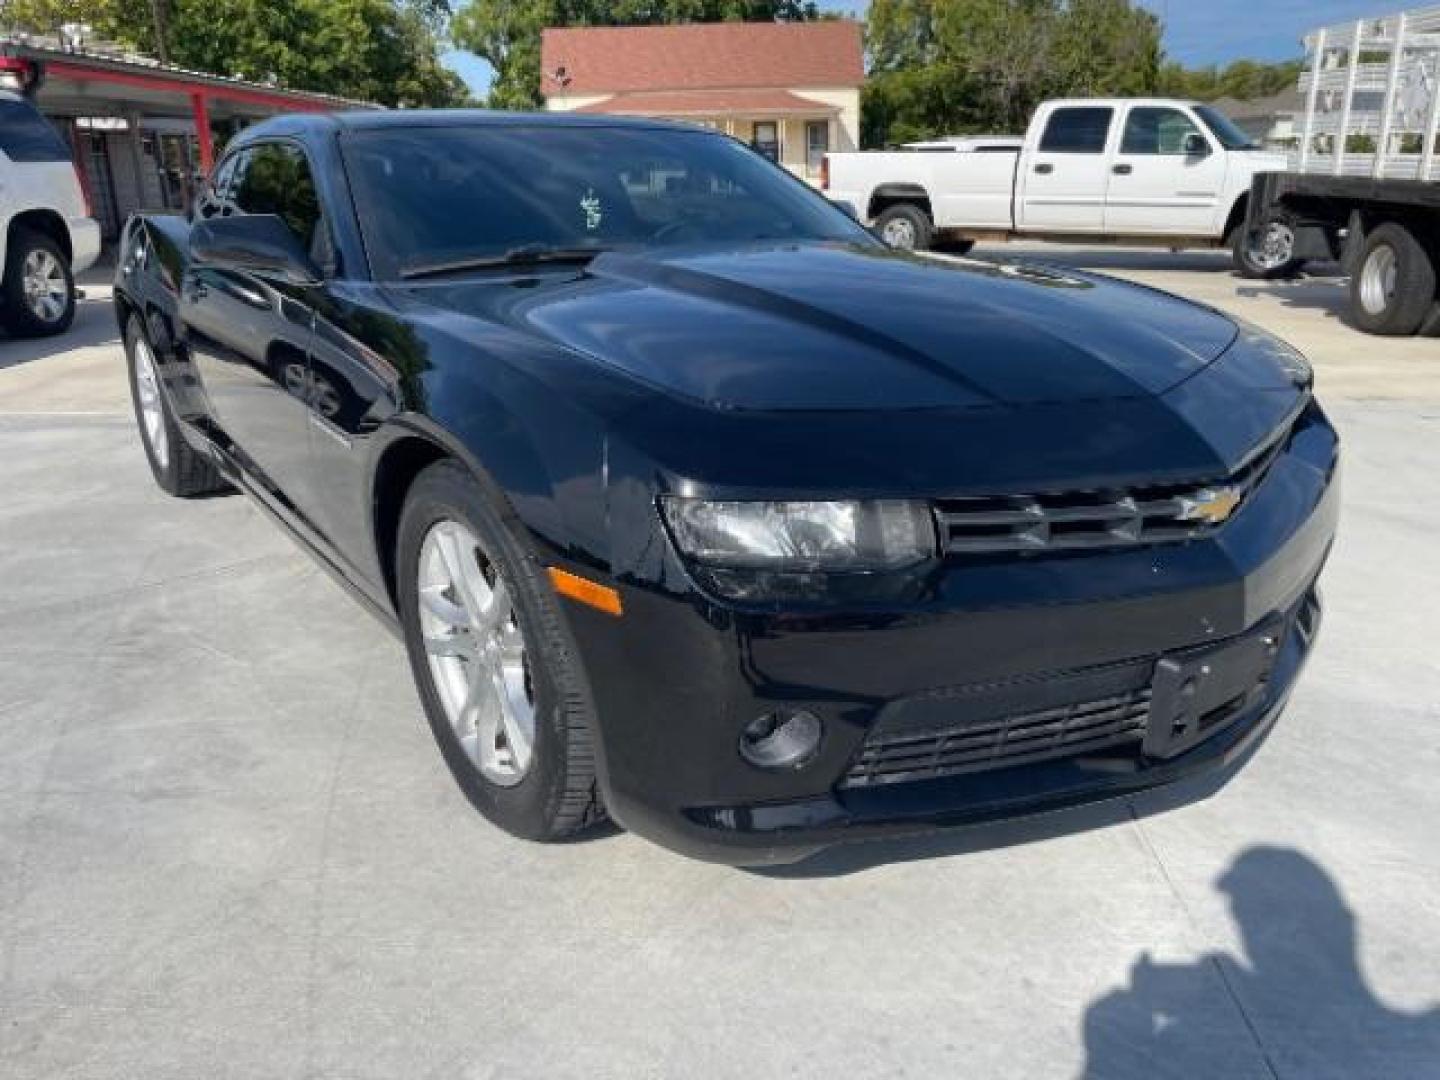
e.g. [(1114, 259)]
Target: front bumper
[(679, 676)]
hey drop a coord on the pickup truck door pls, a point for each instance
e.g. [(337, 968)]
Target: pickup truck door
[(1167, 176), (1065, 171), (249, 334)]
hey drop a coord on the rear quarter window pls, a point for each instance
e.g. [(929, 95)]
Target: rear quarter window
[(1079, 130), (25, 135)]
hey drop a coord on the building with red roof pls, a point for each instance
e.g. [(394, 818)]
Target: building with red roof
[(792, 90)]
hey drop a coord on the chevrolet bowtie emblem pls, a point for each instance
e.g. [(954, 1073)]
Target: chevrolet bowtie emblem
[(1209, 505)]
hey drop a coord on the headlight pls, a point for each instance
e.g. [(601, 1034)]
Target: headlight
[(802, 537)]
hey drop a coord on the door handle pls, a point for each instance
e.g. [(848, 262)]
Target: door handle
[(1122, 170), (1044, 168)]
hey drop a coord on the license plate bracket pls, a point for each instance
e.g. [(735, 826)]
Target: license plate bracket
[(1198, 693)]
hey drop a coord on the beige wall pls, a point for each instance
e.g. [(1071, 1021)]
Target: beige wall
[(574, 101), (846, 135), (844, 125)]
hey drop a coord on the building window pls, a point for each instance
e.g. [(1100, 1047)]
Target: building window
[(767, 139), (817, 144)]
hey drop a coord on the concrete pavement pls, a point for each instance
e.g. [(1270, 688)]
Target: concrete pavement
[(228, 846)]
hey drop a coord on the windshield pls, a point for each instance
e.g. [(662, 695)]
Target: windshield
[(429, 196), (1231, 135)]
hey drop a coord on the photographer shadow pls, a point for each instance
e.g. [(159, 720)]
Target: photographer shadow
[(1296, 1005)]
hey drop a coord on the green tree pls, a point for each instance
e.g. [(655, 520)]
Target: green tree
[(1243, 79), (372, 50), (900, 34), (507, 32)]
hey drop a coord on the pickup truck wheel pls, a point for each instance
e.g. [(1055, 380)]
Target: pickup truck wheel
[(39, 289), (904, 227), (176, 465), (1394, 283), (1270, 254), (499, 681)]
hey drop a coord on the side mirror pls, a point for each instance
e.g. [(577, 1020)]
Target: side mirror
[(847, 206), (256, 244), (1195, 145)]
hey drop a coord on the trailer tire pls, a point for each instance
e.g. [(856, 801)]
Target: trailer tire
[(905, 227), (1266, 259), (1393, 286)]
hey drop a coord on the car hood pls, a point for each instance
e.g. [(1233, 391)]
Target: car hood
[(830, 327)]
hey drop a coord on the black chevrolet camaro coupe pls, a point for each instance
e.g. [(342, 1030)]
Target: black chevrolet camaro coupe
[(698, 507)]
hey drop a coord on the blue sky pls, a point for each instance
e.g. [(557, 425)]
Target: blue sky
[(1196, 31)]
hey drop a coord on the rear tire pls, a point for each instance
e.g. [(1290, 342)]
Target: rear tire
[(1271, 254), (39, 290), (905, 227), (1393, 287), (178, 467), (540, 783)]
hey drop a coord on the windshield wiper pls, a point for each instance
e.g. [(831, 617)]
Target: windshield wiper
[(524, 255)]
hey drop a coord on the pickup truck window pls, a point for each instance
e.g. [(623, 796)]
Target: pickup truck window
[(1231, 136), (25, 135), (457, 194), (274, 178), (1077, 130), (1155, 130)]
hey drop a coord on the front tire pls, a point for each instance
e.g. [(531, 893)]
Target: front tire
[(177, 466), (498, 678), (39, 290), (1393, 286), (1270, 254), (905, 227)]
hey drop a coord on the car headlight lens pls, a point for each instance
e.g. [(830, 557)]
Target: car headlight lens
[(881, 534)]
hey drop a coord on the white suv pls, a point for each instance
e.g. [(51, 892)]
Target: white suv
[(46, 232)]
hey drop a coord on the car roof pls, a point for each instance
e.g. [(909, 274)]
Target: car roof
[(313, 124)]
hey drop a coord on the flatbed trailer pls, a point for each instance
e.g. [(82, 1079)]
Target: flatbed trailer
[(1366, 186)]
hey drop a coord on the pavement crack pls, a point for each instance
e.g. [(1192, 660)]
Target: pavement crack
[(1194, 924)]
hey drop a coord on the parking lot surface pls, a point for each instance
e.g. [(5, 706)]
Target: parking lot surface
[(228, 847)]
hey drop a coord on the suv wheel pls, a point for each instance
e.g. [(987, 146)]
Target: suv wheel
[(39, 289), (499, 680)]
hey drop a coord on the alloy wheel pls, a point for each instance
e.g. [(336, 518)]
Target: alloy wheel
[(1378, 278), (476, 652), (152, 413), (44, 284), (1276, 246)]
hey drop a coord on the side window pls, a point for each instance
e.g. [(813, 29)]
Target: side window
[(275, 178), (25, 135), (1152, 130), (1079, 130)]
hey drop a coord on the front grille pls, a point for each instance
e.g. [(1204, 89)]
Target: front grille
[(966, 746), (1070, 521)]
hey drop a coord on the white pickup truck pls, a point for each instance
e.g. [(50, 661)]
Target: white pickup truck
[(1145, 170)]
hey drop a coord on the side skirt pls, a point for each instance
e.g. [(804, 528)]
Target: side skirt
[(323, 555)]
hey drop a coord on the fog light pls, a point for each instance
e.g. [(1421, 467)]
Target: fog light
[(780, 740)]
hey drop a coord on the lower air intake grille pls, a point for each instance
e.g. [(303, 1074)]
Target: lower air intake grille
[(967, 746)]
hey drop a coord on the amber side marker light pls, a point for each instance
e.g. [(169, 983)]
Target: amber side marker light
[(576, 587)]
